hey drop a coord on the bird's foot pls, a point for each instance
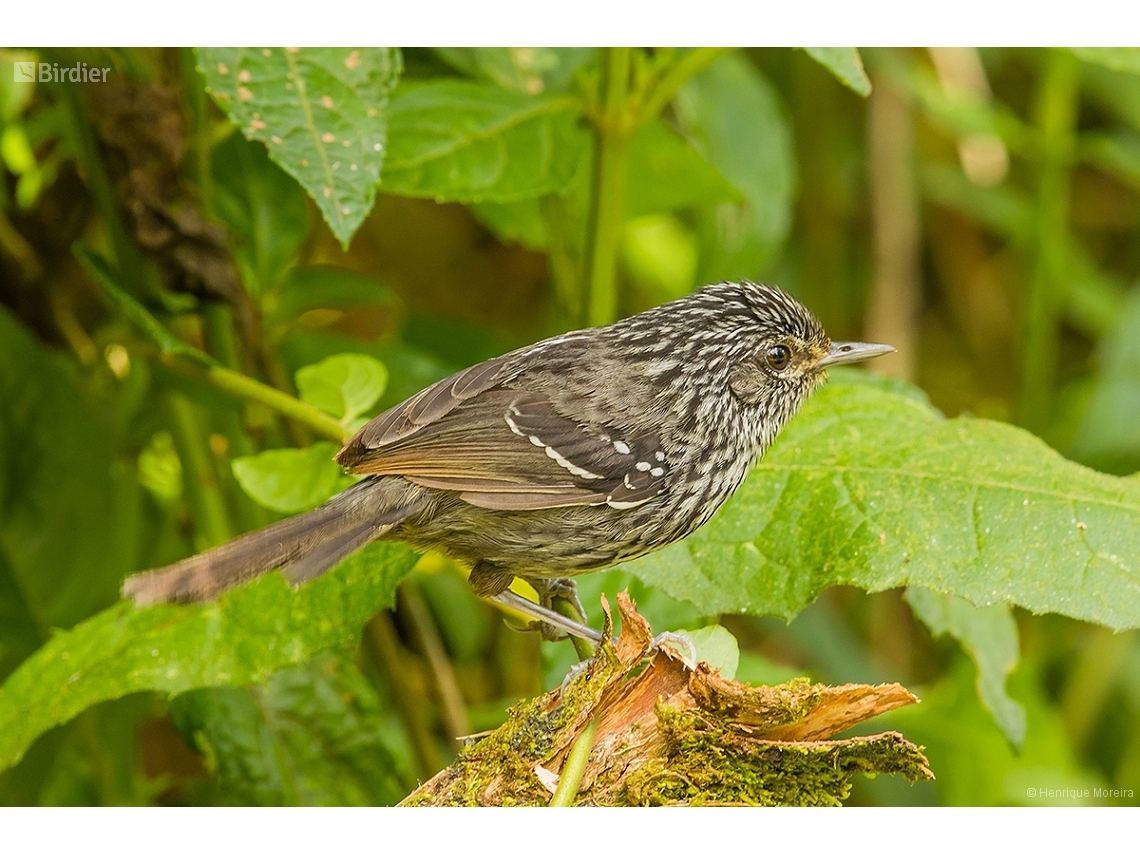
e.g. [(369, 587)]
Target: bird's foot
[(550, 591)]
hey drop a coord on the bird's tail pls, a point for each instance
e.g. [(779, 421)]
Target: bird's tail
[(303, 547)]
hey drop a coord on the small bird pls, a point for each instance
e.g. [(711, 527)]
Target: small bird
[(566, 456)]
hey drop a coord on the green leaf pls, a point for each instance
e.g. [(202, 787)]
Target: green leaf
[(716, 646), (290, 480), (262, 207), (1115, 58), (989, 635), (246, 636), (312, 735), (465, 141), (322, 112), (845, 64), (666, 173), (877, 490), (344, 386), (728, 102), (526, 69)]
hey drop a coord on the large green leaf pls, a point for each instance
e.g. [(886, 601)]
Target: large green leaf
[(466, 141), (878, 490), (989, 635), (312, 735), (246, 636), (728, 102), (845, 63), (322, 112)]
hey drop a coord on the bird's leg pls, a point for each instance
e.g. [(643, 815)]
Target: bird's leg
[(551, 590), (493, 583)]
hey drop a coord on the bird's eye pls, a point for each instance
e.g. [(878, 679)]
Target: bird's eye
[(778, 357)]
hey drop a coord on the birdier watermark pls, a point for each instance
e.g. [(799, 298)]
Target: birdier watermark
[(53, 72)]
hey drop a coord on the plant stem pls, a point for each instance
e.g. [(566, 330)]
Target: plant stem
[(249, 389), (575, 767), (208, 507), (607, 201), (410, 703), (691, 64), (1056, 111), (451, 701)]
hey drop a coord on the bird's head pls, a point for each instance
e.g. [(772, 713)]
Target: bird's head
[(778, 352)]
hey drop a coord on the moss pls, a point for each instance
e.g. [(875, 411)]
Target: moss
[(709, 763)]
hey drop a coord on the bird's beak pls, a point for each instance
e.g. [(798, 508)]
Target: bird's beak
[(853, 351)]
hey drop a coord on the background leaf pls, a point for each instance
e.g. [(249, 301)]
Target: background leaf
[(312, 735), (717, 646), (989, 635), (290, 480), (728, 102), (345, 385), (245, 637), (262, 206), (322, 112), (464, 141), (869, 488), (845, 64)]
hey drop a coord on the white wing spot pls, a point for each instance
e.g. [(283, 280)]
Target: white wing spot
[(656, 471), (660, 455), (642, 466), (566, 464), (621, 506), (511, 424), (621, 447)]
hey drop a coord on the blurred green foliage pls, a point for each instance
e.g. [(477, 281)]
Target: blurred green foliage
[(204, 288)]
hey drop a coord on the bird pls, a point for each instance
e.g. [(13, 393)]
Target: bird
[(563, 457)]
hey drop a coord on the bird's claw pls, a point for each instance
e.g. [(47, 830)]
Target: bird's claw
[(576, 670), (678, 639)]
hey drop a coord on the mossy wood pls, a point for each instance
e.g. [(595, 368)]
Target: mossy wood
[(671, 735)]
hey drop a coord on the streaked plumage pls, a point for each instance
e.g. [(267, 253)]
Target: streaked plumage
[(565, 456)]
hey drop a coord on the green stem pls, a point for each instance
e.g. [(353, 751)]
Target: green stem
[(208, 507), (575, 767), (607, 202), (1056, 111), (691, 64), (249, 389)]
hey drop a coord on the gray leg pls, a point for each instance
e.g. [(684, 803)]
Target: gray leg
[(547, 616)]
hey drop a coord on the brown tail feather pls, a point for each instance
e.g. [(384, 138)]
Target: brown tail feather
[(307, 544)]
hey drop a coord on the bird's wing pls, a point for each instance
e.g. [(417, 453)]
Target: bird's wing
[(503, 448)]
